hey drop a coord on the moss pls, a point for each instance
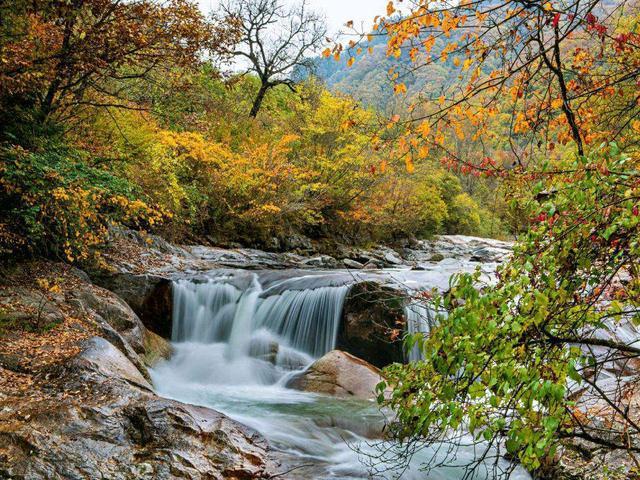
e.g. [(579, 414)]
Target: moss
[(436, 257), (156, 349)]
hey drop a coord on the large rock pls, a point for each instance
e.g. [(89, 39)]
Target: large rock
[(321, 261), (339, 374), (372, 324), (100, 357), (107, 307), (352, 264), (113, 426), (150, 297), (156, 349)]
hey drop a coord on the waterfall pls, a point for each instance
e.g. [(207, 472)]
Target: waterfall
[(420, 318), (201, 311), (259, 321), (239, 336)]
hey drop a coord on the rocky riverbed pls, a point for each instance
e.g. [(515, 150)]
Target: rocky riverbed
[(83, 356), (76, 396)]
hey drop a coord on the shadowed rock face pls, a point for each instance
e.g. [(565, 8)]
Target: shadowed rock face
[(117, 428), (149, 296), (340, 374), (370, 315)]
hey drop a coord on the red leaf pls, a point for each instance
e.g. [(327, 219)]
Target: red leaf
[(556, 20)]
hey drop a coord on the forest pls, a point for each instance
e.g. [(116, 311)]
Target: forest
[(244, 178), (166, 144)]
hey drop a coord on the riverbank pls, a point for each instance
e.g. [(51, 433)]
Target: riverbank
[(86, 371)]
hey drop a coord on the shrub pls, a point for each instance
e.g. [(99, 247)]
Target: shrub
[(52, 203)]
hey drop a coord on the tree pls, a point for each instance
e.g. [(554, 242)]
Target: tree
[(521, 365), (274, 40), (545, 63), (57, 57)]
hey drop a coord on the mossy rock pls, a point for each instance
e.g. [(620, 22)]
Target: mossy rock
[(371, 317), (156, 349)]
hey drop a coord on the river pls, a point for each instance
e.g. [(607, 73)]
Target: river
[(239, 336)]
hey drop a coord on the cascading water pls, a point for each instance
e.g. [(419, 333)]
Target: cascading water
[(420, 318), (239, 336)]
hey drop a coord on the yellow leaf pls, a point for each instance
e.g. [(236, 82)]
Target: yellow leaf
[(409, 164), (400, 88), (326, 53), (350, 61), (441, 100), (424, 129), (390, 9)]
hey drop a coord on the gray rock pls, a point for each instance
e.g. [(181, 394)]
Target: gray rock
[(487, 254), (148, 241), (373, 265), (339, 374), (119, 429), (112, 310), (322, 261), (353, 264), (392, 259), (100, 356)]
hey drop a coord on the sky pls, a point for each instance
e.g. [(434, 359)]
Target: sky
[(338, 12)]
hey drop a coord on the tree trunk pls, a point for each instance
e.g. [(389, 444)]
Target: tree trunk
[(257, 103)]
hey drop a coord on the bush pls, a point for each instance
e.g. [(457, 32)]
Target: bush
[(52, 203)]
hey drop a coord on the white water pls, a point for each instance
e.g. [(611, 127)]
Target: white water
[(420, 320), (239, 338)]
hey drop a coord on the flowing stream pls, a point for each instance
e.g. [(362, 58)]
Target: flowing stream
[(239, 336)]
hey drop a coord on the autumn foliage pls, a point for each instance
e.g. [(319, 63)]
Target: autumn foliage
[(117, 113)]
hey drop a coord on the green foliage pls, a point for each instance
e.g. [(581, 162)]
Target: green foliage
[(501, 361), (53, 203), (308, 165)]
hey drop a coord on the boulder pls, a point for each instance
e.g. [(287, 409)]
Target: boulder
[(100, 357), (339, 374), (373, 265), (321, 261), (113, 426), (156, 349), (391, 258), (372, 324), (352, 264), (150, 297), (109, 308), (487, 254)]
